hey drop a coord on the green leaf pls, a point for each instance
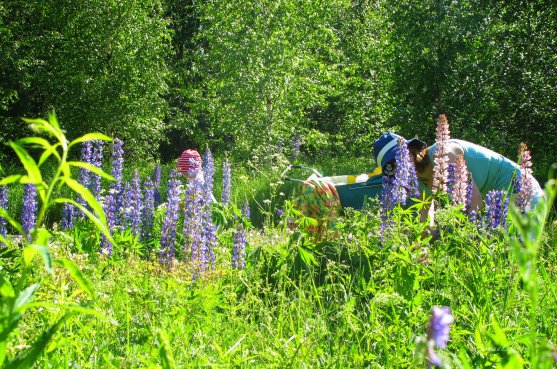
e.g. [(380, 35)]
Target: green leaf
[(92, 168), (42, 126), (305, 222), (307, 256), (28, 163), (6, 288), (52, 150), (4, 214), (165, 350), (24, 298), (90, 137), (30, 251), (35, 142), (10, 179), (77, 276)]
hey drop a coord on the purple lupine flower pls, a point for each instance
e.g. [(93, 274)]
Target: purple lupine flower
[(440, 169), (208, 228), (135, 204), (438, 332), (96, 160), (4, 194), (451, 174), (388, 201), (117, 173), (469, 192), (68, 213), (473, 217), (148, 210), (226, 182), (406, 180), (525, 179), (280, 212), (439, 325), (157, 184), (110, 209), (208, 170), (29, 212), (246, 210), (193, 222), (126, 210), (295, 147), (496, 205), (209, 232), (239, 251), (388, 195), (84, 175), (168, 232)]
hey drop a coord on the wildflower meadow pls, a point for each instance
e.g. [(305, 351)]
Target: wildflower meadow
[(145, 268)]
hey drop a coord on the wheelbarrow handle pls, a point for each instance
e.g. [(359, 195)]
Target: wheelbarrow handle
[(283, 174)]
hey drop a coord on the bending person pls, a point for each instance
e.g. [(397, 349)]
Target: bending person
[(489, 170)]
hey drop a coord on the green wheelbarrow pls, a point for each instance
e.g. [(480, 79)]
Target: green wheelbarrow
[(353, 190)]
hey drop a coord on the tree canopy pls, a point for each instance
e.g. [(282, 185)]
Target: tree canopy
[(242, 75)]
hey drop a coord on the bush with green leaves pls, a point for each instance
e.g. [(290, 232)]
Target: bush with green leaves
[(18, 278)]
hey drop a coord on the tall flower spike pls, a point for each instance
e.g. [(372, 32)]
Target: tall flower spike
[(84, 175), (117, 173), (157, 184), (67, 216), (136, 204), (96, 160), (496, 205), (406, 182), (4, 194), (148, 210), (246, 210), (226, 182), (469, 191), (109, 207), (208, 173), (460, 184), (193, 222), (126, 210), (168, 232), (438, 333), (525, 186), (239, 251), (441, 161), (29, 212), (387, 204)]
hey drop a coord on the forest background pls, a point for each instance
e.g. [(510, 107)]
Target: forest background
[(246, 77)]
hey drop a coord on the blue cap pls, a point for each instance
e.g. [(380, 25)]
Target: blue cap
[(384, 148)]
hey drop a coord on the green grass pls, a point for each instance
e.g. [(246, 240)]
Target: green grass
[(358, 305), (344, 300)]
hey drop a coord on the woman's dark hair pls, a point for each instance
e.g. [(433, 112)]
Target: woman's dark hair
[(418, 151)]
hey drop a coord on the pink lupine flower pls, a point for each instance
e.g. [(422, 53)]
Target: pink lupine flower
[(441, 167), (525, 186), (460, 185)]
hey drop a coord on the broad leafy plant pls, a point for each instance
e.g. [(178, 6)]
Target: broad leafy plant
[(17, 291)]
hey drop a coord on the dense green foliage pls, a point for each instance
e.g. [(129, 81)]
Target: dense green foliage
[(242, 76), (351, 296)]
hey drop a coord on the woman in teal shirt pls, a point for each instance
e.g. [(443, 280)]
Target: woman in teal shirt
[(489, 170)]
